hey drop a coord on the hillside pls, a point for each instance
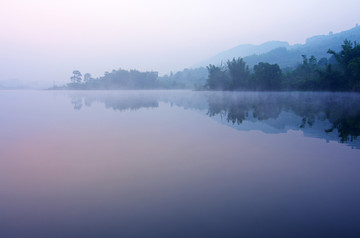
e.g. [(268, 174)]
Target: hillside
[(242, 51), (283, 54)]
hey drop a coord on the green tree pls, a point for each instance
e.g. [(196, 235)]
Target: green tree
[(349, 62), (306, 76), (239, 73), (268, 76), (217, 78)]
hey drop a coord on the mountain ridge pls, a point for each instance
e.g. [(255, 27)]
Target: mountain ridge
[(242, 50), (282, 53)]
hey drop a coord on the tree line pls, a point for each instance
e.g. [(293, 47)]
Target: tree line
[(340, 73), (116, 79), (133, 79)]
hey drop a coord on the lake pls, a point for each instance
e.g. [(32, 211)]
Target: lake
[(179, 164)]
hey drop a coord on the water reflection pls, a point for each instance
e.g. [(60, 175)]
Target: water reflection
[(178, 164), (342, 111), (120, 102), (331, 116)]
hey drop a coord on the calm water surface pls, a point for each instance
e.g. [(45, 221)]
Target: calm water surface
[(179, 164)]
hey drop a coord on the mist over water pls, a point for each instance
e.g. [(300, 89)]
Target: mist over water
[(179, 164)]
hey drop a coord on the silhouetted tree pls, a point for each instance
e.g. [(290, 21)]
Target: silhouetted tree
[(239, 73), (349, 61), (267, 76), (87, 77), (217, 78), (76, 78)]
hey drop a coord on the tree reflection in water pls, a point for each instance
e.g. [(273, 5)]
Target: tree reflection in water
[(340, 110)]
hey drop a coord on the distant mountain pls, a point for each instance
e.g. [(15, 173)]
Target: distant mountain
[(242, 51), (283, 54)]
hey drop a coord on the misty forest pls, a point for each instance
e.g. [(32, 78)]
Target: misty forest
[(339, 72)]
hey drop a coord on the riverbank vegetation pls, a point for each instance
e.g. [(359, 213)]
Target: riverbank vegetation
[(339, 72)]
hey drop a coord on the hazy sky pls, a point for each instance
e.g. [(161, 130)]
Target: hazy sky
[(44, 40)]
